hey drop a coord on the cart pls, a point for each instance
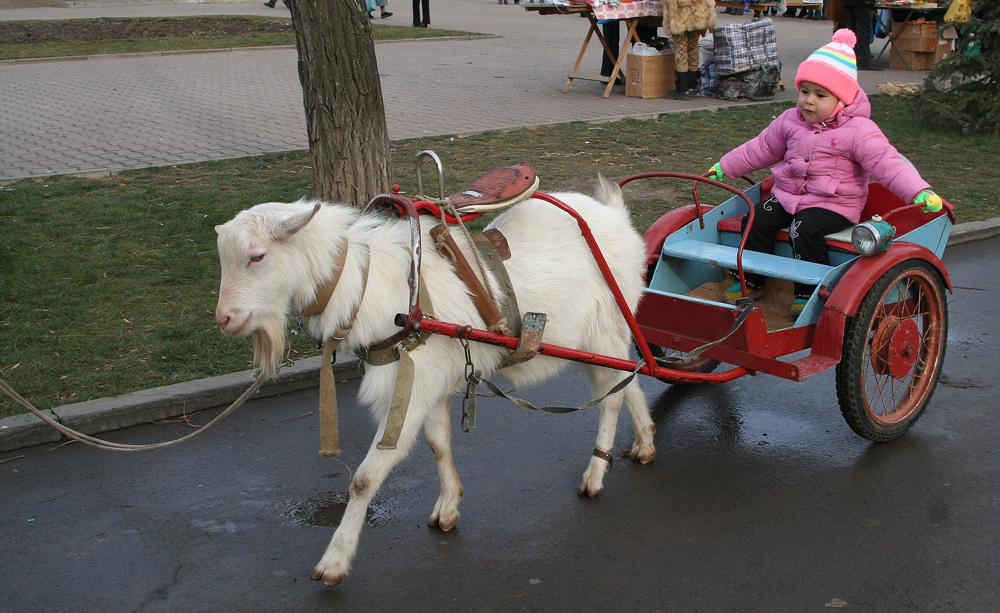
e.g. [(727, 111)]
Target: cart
[(881, 318)]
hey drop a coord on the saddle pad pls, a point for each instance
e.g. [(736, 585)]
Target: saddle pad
[(498, 188)]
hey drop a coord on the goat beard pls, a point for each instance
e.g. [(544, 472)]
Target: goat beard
[(268, 346)]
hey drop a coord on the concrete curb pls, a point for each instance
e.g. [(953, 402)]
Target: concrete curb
[(105, 414), (974, 230)]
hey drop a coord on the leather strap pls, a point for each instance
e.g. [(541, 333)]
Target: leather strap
[(532, 329), (329, 437), (604, 455), (400, 400), (481, 298), (495, 238), (493, 248), (325, 291), (384, 352)]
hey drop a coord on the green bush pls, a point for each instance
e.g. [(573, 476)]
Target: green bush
[(962, 91)]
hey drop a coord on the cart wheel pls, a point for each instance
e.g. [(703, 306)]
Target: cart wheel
[(893, 350), (699, 364)]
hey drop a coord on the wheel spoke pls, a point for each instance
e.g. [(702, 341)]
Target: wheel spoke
[(893, 351), (886, 395)]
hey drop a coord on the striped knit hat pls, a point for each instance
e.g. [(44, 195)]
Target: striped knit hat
[(833, 67)]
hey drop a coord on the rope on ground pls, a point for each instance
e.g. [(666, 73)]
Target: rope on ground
[(112, 446)]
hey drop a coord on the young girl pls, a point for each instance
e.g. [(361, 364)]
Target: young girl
[(824, 151)]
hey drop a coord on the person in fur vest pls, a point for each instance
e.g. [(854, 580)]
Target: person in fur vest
[(685, 21), (823, 152)]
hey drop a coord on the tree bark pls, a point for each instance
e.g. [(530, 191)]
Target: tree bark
[(342, 94)]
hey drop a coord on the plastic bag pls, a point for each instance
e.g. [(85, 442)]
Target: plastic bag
[(756, 84), (742, 46), (960, 11), (644, 49)]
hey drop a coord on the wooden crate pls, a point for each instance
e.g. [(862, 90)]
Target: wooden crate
[(916, 37), (649, 76), (918, 60)]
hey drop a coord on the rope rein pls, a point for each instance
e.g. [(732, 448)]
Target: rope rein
[(112, 446)]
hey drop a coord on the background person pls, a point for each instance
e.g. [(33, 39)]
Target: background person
[(860, 16), (685, 21)]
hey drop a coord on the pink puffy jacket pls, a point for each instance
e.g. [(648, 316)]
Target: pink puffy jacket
[(826, 165)]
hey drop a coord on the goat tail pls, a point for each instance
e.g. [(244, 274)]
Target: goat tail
[(610, 194)]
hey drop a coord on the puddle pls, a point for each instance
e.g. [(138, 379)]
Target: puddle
[(326, 511)]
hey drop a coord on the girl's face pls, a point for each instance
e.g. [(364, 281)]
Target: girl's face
[(816, 103)]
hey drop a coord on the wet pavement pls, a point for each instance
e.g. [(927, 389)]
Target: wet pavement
[(760, 499)]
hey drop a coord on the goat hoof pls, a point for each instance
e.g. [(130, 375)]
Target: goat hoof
[(327, 581), (643, 451), (588, 491), (328, 578), (444, 525), (643, 457)]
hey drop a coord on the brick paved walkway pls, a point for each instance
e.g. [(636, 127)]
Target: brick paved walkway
[(117, 113)]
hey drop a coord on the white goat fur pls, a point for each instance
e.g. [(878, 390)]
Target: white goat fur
[(551, 268)]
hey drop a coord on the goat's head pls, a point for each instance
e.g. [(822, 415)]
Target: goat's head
[(264, 271)]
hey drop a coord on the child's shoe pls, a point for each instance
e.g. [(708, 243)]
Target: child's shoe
[(734, 292), (798, 306)]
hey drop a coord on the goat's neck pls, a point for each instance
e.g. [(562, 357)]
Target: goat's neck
[(361, 308), (325, 291)]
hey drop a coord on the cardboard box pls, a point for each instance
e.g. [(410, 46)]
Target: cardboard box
[(918, 61), (649, 76), (916, 37)]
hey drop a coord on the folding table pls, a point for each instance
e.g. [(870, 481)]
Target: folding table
[(646, 12)]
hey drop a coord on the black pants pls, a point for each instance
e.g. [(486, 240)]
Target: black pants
[(416, 12), (806, 231), (859, 20)]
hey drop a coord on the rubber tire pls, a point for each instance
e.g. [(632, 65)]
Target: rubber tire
[(885, 423)]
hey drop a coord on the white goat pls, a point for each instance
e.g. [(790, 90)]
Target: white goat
[(275, 255)]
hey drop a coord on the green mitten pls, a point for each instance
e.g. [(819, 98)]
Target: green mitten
[(715, 173), (931, 201)]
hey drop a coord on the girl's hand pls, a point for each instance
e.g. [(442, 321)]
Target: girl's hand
[(716, 174), (931, 201)]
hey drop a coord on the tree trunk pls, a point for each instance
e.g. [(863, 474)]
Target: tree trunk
[(342, 93)]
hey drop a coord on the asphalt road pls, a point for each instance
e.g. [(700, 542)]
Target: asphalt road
[(761, 499)]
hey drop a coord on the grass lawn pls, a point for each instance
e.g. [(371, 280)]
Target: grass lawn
[(165, 43), (109, 285)]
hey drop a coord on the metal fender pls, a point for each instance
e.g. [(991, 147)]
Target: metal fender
[(843, 301), (663, 227), (859, 278)]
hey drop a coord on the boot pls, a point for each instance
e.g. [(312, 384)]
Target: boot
[(682, 91), (694, 78)]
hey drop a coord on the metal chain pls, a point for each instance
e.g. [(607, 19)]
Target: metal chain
[(472, 378)]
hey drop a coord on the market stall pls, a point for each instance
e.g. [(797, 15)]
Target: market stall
[(638, 12), (914, 42), (758, 8)]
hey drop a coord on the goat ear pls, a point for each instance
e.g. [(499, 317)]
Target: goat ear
[(287, 227)]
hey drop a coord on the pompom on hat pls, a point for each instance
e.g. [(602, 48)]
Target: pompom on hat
[(833, 67)]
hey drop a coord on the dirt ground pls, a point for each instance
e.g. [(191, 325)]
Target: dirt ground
[(20, 32)]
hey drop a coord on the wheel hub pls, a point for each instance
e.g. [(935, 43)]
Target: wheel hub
[(895, 347)]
